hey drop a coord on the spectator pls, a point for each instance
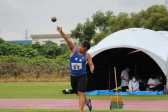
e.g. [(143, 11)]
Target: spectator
[(125, 79), (160, 83), (133, 85), (152, 83)]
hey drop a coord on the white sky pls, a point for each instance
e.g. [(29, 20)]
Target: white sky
[(35, 15)]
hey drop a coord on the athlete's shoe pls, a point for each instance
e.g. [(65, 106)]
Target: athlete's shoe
[(89, 104)]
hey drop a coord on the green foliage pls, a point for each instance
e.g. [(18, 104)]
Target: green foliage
[(47, 62), (135, 20), (121, 21), (10, 49), (36, 61), (155, 18), (15, 49), (27, 45), (50, 50), (77, 33), (88, 30), (64, 49), (98, 37), (28, 52), (1, 41), (84, 31), (10, 59), (101, 20), (37, 46), (66, 55)]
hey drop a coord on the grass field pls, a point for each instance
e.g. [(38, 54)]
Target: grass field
[(53, 90)]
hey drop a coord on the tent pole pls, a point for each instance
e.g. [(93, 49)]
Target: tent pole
[(109, 78), (116, 86), (167, 83), (167, 76)]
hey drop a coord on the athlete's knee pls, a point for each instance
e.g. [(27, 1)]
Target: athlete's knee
[(80, 93)]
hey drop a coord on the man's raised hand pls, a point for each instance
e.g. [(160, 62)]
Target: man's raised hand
[(59, 29)]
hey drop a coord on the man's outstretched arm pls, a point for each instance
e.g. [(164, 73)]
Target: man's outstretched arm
[(66, 37)]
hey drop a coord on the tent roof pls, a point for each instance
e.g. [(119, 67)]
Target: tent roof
[(165, 33), (148, 41)]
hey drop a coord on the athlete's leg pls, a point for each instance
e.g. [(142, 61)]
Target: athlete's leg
[(82, 101), (82, 82)]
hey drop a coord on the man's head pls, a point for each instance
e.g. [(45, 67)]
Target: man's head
[(158, 76), (127, 69), (153, 76), (85, 46)]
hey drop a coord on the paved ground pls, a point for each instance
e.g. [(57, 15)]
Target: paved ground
[(98, 104)]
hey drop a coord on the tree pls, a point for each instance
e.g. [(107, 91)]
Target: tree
[(101, 20), (50, 50), (64, 49), (1, 41), (88, 30), (98, 37), (77, 33), (37, 46), (120, 22), (135, 20), (84, 31), (28, 52), (28, 45), (155, 18), (15, 49), (10, 49)]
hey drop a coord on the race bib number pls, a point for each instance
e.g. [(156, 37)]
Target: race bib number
[(76, 66)]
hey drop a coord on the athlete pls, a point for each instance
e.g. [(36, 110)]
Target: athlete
[(78, 58)]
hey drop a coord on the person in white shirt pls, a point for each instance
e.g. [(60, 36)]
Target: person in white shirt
[(133, 85), (125, 79), (157, 83), (152, 83)]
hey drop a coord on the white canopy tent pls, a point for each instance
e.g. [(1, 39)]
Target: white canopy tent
[(150, 42), (165, 33)]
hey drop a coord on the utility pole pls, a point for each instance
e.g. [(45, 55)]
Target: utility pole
[(26, 35)]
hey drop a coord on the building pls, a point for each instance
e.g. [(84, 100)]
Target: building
[(57, 38), (20, 41)]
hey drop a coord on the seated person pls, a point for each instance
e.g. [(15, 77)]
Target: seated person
[(152, 83), (133, 85), (162, 79), (160, 83)]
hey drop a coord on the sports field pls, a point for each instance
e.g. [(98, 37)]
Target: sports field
[(53, 90), (66, 110)]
